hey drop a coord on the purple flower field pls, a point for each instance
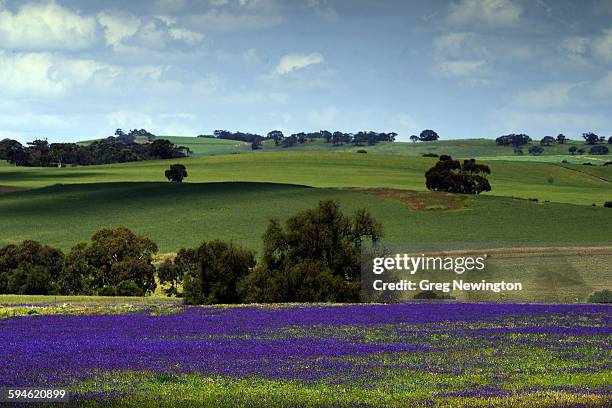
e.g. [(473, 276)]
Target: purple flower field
[(476, 350)]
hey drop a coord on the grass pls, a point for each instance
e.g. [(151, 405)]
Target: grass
[(205, 146), (546, 181), (460, 148), (184, 215)]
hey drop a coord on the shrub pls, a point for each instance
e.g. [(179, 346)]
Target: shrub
[(362, 151), (602, 296), (430, 155), (587, 164), (597, 150), (608, 204), (129, 288), (608, 163)]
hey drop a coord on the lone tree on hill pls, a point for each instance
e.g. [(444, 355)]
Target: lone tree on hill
[(428, 135), (590, 138), (176, 173), (450, 176), (547, 140), (561, 138)]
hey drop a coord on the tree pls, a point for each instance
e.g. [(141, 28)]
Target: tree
[(610, 140), (162, 149), (277, 136), (450, 176), (428, 135), (561, 138), (112, 256), (414, 138), (597, 150), (209, 273), (536, 150), (12, 151), (29, 268), (590, 138), (315, 257), (176, 173), (547, 140), (572, 150), (256, 145), (516, 140)]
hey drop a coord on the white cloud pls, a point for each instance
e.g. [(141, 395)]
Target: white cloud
[(118, 26), (128, 33), (44, 27), (493, 13), (461, 68), (292, 62), (600, 46), (187, 36), (45, 74), (459, 45)]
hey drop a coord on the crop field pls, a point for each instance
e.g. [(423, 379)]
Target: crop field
[(414, 354)]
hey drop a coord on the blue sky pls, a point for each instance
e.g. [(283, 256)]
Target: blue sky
[(73, 70)]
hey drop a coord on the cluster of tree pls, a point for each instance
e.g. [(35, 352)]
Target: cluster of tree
[(516, 140), (426, 135), (114, 149), (451, 176), (115, 262), (336, 138), (316, 256), (240, 136)]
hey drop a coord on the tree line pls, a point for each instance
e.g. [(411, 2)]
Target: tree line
[(518, 141), (121, 148), (314, 256), (336, 138)]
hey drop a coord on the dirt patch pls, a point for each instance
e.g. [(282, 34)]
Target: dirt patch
[(9, 189), (423, 200)]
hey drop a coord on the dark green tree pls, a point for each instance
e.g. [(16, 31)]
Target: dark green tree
[(590, 138), (316, 257), (451, 176), (428, 135), (176, 173)]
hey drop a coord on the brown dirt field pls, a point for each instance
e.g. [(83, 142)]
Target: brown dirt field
[(422, 200)]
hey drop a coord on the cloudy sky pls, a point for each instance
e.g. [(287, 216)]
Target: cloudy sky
[(78, 69)]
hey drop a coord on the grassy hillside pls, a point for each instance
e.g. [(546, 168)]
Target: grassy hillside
[(546, 181), (177, 215), (205, 146), (462, 148)]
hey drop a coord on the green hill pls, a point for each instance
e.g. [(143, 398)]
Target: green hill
[(545, 181), (177, 215)]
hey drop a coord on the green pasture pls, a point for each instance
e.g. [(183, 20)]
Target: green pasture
[(546, 181), (206, 146), (183, 215), (461, 148)]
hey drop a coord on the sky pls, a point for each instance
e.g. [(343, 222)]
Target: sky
[(78, 69)]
